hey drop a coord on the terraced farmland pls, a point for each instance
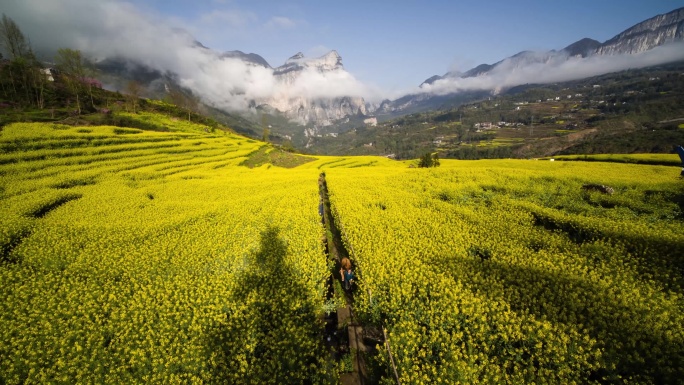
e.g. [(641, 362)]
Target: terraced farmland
[(134, 256)]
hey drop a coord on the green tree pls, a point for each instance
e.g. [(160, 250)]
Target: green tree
[(12, 39), (189, 103), (39, 79), (70, 61), (425, 160), (133, 90), (264, 124), (429, 160), (70, 64), (435, 159), (23, 72), (192, 104)]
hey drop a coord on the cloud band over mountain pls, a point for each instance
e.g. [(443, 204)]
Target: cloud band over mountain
[(122, 30), (558, 67)]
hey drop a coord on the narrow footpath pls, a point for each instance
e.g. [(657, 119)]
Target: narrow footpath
[(344, 333)]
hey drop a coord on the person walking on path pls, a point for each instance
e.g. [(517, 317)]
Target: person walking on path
[(347, 274), (680, 151)]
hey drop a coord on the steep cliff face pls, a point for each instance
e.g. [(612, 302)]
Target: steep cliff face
[(312, 109), (320, 111), (656, 31), (326, 111)]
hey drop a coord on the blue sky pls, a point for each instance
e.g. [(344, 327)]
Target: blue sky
[(398, 44)]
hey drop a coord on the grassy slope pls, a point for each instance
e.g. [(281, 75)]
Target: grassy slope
[(654, 159)]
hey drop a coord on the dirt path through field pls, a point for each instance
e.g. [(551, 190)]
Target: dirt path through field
[(348, 332)]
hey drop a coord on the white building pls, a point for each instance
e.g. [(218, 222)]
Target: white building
[(48, 74)]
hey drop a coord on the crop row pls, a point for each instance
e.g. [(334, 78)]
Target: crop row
[(29, 170)]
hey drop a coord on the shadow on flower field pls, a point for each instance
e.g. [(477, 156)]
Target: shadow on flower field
[(637, 331), (274, 334)]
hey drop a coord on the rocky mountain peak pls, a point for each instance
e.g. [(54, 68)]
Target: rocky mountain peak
[(331, 61), (251, 58), (656, 31), (653, 24), (296, 57), (320, 111), (431, 80), (582, 47)]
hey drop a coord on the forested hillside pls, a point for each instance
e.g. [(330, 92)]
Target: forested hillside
[(633, 111)]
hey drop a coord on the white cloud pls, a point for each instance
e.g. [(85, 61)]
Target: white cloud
[(316, 84), (555, 68), (229, 18), (281, 22)]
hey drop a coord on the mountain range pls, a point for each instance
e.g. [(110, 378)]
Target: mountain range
[(654, 32), (651, 33), (294, 94)]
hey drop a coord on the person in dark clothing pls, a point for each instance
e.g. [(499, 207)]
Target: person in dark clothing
[(347, 274), (680, 151)]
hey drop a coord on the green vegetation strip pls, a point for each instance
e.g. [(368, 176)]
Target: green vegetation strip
[(275, 157), (652, 159)]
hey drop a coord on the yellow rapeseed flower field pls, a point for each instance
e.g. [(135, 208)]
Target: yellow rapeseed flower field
[(134, 256), (508, 271)]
